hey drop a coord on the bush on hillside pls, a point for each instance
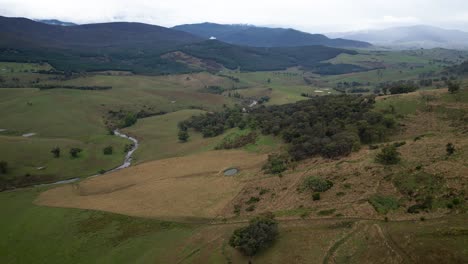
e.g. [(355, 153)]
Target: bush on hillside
[(316, 184), (74, 152), (276, 164), (3, 167), (388, 156), (108, 150), (259, 234), (56, 152)]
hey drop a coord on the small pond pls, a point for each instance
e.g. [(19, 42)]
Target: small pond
[(231, 172)]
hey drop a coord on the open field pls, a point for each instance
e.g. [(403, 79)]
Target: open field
[(357, 179), (30, 159), (77, 236), (191, 186), (174, 205), (74, 118)]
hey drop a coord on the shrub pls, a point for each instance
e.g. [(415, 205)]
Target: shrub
[(263, 191), (388, 156), (237, 209), (383, 204), (424, 206), (56, 152), (316, 196), (450, 148), (129, 120), (250, 208), (276, 164), (316, 184), (326, 212), (259, 234), (108, 150), (3, 167), (453, 87), (399, 144), (237, 141), (253, 200), (183, 135), (74, 152)]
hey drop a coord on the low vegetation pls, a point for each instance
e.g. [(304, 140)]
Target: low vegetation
[(389, 155), (316, 184), (383, 204)]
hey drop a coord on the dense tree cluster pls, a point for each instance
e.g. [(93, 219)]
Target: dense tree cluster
[(214, 124), (330, 126), (398, 87)]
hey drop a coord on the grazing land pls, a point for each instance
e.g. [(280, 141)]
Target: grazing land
[(175, 205)]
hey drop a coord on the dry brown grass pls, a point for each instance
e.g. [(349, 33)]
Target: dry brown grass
[(191, 186)]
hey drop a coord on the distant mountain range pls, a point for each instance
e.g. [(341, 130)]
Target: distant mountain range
[(248, 35), (421, 36), (148, 49), (56, 22)]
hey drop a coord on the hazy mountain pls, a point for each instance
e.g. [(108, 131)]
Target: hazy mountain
[(248, 35), (56, 22), (411, 37)]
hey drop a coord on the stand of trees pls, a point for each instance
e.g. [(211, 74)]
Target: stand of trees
[(330, 126), (398, 87)]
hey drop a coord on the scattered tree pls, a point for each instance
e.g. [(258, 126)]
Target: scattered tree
[(74, 152), (183, 135), (108, 150), (453, 87), (56, 152), (3, 167), (259, 234)]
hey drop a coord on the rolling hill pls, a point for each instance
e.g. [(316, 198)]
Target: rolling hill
[(143, 48), (248, 35), (421, 36)]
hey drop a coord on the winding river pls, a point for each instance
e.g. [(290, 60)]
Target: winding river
[(127, 161)]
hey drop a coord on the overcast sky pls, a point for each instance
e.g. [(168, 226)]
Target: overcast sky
[(307, 15)]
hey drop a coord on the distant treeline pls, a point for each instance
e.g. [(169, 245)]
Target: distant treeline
[(87, 88), (151, 60), (330, 126)]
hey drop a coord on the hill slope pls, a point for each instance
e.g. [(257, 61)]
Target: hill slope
[(142, 48), (414, 36), (30, 34), (248, 35)]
